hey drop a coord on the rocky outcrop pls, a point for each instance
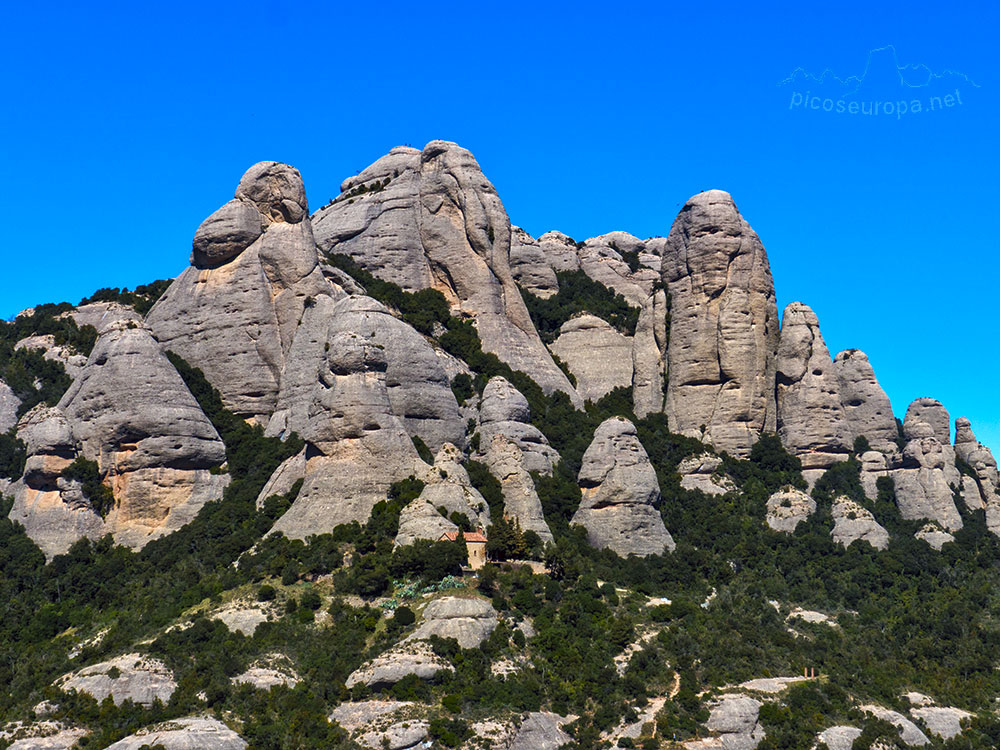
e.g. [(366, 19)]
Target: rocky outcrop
[(839, 737), (735, 720), (620, 494), (100, 314), (271, 671), (42, 735), (599, 357), (356, 445), (431, 219), (529, 266), (812, 423), (507, 462), (417, 386), (242, 619), (943, 721), (702, 473), (851, 522), (504, 411), (602, 260), (140, 679), (541, 731), (68, 357), (865, 404), (874, 465), (984, 490), (649, 355), (909, 732), (190, 733), (402, 735), (927, 476), (447, 485), (787, 508), (131, 413), (934, 536), (932, 412), (469, 621), (385, 670), (421, 520), (9, 404), (234, 311), (723, 326)]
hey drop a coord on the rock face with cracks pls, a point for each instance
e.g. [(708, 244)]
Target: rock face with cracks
[(599, 357), (865, 404), (234, 311), (431, 219), (723, 326), (812, 423), (190, 733), (620, 493)]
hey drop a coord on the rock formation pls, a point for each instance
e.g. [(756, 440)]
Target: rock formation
[(984, 490), (787, 508), (385, 670), (447, 485), (852, 522), (927, 476), (599, 357), (839, 737), (812, 423), (735, 719), (9, 404), (909, 732), (234, 311), (943, 721), (189, 733), (68, 357), (865, 404), (468, 620), (701, 473), (508, 463), (504, 411), (130, 412), (529, 266), (601, 259), (541, 731), (133, 677), (620, 494), (431, 219), (649, 355), (417, 386), (356, 445), (723, 326)]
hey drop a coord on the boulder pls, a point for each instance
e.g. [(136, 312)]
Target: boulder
[(866, 407), (242, 619), (852, 522), (873, 466), (602, 260), (504, 411), (402, 735), (812, 423), (189, 733), (100, 314), (507, 462), (599, 357), (734, 718), (529, 266), (234, 311), (927, 477), (701, 473), (447, 485), (620, 494), (353, 716), (723, 326), (468, 620), (945, 722), (385, 670), (135, 677), (909, 732), (272, 671), (787, 508), (431, 219)]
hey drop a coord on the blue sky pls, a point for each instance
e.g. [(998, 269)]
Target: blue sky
[(125, 125)]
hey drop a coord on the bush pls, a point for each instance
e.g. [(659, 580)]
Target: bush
[(404, 616), (102, 500)]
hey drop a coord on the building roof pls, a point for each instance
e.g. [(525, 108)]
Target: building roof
[(472, 536)]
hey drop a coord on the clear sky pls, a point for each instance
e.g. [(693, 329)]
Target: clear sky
[(123, 126)]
